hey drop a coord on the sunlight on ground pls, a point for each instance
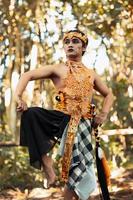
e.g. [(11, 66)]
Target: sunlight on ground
[(121, 189), (116, 174)]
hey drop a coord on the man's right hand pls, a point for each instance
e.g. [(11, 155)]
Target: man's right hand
[(21, 105)]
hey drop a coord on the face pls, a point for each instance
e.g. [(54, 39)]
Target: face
[(73, 47)]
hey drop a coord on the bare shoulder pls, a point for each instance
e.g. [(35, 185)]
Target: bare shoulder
[(52, 69), (100, 86), (59, 68), (97, 79)]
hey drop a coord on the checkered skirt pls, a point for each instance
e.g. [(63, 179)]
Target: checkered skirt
[(82, 155)]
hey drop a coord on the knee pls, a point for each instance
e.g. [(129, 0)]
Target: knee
[(29, 113)]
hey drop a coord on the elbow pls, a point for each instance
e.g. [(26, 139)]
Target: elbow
[(26, 76)]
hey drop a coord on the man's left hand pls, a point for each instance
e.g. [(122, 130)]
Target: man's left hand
[(99, 119)]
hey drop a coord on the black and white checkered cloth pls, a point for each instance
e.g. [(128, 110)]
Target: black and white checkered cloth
[(82, 153)]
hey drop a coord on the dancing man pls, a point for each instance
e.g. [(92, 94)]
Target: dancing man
[(70, 119)]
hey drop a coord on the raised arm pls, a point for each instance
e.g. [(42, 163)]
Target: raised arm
[(108, 100), (40, 73)]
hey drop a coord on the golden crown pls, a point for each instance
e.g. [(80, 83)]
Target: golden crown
[(75, 34)]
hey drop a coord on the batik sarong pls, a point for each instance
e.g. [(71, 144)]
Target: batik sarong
[(82, 177)]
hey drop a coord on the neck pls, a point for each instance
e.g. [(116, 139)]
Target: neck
[(74, 59)]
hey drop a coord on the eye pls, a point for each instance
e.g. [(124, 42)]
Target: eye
[(75, 41), (66, 41)]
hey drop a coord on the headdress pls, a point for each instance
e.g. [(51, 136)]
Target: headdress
[(75, 34)]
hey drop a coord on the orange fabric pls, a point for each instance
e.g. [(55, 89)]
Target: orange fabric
[(74, 99), (77, 93), (106, 170)]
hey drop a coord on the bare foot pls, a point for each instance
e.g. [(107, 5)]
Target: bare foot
[(49, 171)]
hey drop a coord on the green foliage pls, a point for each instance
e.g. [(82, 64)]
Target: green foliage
[(118, 150), (27, 24), (15, 169)]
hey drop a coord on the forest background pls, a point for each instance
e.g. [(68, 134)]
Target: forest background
[(30, 37)]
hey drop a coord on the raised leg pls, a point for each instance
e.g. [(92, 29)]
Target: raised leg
[(48, 170)]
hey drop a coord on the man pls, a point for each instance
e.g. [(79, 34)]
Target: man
[(71, 118)]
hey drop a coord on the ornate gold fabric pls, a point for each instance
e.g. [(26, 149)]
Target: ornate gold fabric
[(74, 99), (75, 34)]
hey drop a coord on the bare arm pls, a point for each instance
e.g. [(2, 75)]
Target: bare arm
[(108, 99), (105, 92), (43, 72)]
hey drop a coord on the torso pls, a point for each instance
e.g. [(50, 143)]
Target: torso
[(76, 86)]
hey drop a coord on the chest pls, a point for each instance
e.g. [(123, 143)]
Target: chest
[(73, 78)]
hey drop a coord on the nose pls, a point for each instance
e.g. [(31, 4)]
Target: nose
[(70, 44)]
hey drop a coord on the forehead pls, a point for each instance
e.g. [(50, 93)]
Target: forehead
[(73, 37)]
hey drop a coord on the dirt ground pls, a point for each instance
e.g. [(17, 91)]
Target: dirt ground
[(121, 189)]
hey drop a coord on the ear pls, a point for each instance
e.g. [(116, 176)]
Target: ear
[(84, 47)]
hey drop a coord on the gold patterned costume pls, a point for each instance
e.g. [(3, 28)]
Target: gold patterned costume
[(74, 99)]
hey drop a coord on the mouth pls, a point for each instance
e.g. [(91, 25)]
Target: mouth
[(70, 50)]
